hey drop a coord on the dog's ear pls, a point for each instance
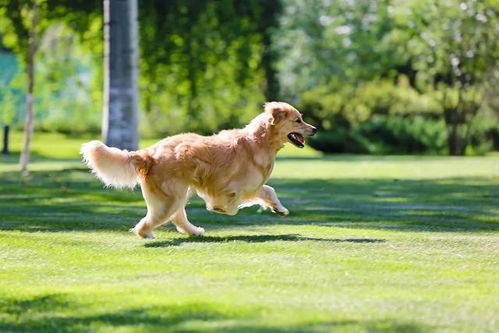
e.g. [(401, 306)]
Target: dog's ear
[(277, 113)]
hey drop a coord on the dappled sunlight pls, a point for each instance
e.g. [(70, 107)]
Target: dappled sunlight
[(426, 205), (43, 313), (389, 244)]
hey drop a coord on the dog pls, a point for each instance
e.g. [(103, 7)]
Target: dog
[(227, 170)]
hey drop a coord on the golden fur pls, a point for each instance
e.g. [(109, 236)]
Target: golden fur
[(228, 170)]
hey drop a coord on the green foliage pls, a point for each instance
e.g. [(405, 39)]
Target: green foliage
[(70, 107), (8, 103), (15, 22), (67, 81), (383, 134), (377, 117), (208, 71), (447, 51), (413, 134), (204, 65), (457, 51), (336, 43), (367, 69), (9, 97)]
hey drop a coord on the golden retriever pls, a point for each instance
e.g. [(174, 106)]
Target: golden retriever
[(228, 170)]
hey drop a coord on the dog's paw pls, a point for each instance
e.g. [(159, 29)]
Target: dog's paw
[(282, 211), (146, 235), (198, 232), (194, 231)]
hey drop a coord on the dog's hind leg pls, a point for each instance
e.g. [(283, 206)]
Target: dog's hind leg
[(183, 225), (269, 197), (160, 207)]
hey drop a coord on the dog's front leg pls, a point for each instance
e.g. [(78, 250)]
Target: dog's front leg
[(269, 197)]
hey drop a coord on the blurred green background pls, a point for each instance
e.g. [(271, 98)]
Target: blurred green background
[(380, 77)]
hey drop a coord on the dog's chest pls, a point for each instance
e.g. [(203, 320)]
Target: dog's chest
[(255, 173), (264, 163)]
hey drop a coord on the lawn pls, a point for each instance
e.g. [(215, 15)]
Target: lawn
[(372, 244)]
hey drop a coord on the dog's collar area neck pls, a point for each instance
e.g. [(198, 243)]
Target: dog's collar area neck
[(263, 136)]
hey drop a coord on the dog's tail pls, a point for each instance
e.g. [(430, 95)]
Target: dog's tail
[(115, 167)]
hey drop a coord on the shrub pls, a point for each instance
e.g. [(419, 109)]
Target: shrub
[(386, 135), (378, 117)]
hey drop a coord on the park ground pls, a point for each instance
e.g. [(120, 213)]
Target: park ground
[(372, 244)]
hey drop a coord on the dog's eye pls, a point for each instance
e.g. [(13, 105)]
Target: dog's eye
[(298, 120)]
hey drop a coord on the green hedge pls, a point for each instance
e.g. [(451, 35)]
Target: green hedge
[(383, 117), (383, 134)]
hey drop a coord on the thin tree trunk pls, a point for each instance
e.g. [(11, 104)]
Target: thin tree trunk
[(453, 140), (272, 9), (192, 110), (457, 142), (5, 150), (120, 114), (28, 126), (272, 86)]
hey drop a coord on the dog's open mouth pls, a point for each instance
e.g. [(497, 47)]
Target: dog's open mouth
[(297, 139)]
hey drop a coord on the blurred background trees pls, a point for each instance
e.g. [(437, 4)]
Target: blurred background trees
[(385, 76), (394, 76)]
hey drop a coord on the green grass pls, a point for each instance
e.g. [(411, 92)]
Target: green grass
[(373, 244)]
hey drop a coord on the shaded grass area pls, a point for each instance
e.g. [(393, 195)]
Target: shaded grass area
[(368, 247), (159, 318), (71, 200)]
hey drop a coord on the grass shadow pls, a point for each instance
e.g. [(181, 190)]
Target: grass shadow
[(55, 313), (256, 239), (73, 200)]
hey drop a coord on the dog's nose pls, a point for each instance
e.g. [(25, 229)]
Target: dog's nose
[(314, 130)]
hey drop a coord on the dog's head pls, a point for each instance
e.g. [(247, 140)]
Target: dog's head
[(288, 123)]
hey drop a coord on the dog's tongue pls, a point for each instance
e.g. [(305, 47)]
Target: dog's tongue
[(299, 138)]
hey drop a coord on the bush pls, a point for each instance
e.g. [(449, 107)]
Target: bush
[(404, 134), (337, 141), (386, 135), (378, 117)]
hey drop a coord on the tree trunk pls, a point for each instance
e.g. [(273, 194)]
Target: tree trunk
[(28, 126), (453, 140), (5, 150), (455, 120), (270, 19), (456, 141), (272, 84), (120, 114)]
